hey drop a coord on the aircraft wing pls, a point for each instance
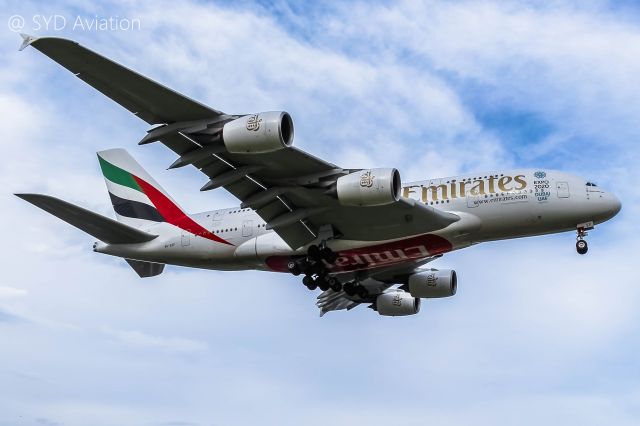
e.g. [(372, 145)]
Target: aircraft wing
[(287, 188), (152, 102)]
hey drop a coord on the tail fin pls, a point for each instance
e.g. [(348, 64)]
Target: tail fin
[(136, 197)]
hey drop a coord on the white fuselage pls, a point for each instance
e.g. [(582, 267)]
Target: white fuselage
[(491, 206)]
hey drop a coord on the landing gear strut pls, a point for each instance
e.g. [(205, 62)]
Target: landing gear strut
[(581, 244), (314, 267)]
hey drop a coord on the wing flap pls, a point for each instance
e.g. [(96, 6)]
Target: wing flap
[(98, 226), (330, 300)]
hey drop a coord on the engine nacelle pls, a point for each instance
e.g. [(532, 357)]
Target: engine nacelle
[(433, 283), (372, 187), (397, 303), (258, 133)]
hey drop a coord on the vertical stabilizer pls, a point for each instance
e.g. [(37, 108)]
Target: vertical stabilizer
[(136, 197), (139, 200)]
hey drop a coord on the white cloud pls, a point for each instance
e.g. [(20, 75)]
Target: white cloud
[(140, 339), (7, 292)]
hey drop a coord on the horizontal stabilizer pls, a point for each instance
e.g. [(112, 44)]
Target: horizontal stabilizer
[(146, 269), (103, 228)]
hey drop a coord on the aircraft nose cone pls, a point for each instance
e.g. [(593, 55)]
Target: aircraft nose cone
[(605, 206), (614, 204)]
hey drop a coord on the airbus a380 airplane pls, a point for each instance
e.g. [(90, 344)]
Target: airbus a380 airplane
[(359, 235)]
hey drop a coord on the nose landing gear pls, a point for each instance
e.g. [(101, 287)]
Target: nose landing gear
[(581, 244), (314, 267)]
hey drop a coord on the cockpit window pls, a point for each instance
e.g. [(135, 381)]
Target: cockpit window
[(591, 184)]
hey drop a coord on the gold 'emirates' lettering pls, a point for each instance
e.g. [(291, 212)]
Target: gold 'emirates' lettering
[(502, 183), (475, 187), (442, 189), (521, 182), (478, 188)]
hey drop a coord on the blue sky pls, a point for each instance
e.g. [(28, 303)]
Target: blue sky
[(535, 335)]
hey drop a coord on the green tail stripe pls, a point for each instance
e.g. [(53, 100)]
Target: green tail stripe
[(117, 175)]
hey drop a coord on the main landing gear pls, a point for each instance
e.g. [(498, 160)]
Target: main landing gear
[(581, 244), (315, 270)]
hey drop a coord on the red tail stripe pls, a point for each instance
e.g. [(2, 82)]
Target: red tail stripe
[(172, 213)]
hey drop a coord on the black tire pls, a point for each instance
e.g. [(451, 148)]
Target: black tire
[(308, 280), (334, 284), (582, 247), (314, 251), (306, 268), (292, 266), (319, 268), (329, 255)]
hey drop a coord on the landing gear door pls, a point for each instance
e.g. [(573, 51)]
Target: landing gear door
[(563, 189)]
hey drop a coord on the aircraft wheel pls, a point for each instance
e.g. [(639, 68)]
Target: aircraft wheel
[(292, 266), (329, 255), (314, 251), (582, 247), (306, 267), (310, 283), (334, 284), (318, 268)]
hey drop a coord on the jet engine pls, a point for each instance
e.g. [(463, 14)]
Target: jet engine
[(433, 283), (397, 303), (371, 187), (258, 133)]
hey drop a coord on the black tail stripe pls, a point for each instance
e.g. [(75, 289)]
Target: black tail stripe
[(135, 209)]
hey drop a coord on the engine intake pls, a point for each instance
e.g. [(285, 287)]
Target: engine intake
[(258, 133), (371, 187), (433, 283), (397, 304)]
